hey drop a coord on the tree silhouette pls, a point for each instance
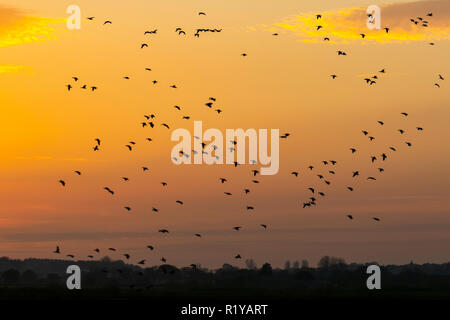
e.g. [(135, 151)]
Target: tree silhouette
[(11, 276)]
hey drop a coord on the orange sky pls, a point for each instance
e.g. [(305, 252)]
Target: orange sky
[(284, 82)]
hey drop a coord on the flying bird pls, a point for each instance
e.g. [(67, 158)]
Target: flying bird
[(109, 190)]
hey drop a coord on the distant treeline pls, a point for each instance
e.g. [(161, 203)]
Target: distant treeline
[(331, 273)]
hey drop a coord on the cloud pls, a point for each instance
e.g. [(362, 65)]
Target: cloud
[(48, 157), (347, 24), (18, 28), (13, 69)]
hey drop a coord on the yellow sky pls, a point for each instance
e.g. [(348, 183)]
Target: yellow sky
[(284, 82)]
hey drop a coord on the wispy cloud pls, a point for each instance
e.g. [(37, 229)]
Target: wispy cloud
[(14, 69), (17, 27), (347, 24), (49, 158)]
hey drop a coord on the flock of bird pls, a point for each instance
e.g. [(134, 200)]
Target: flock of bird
[(316, 191)]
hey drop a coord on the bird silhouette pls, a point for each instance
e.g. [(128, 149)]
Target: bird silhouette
[(109, 190)]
